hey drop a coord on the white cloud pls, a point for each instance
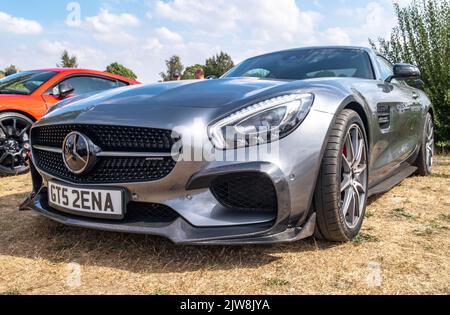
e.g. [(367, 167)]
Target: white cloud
[(21, 26), (87, 56), (166, 36), (262, 25), (110, 27)]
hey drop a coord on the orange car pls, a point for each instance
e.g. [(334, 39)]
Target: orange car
[(26, 96)]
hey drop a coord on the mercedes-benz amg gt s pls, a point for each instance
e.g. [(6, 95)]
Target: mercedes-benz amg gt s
[(282, 147)]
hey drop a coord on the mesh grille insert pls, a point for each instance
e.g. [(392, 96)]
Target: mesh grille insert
[(150, 212), (252, 191), (108, 170), (109, 138)]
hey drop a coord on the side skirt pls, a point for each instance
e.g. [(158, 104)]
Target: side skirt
[(392, 181)]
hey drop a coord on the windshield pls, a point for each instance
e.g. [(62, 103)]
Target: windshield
[(304, 64), (24, 83)]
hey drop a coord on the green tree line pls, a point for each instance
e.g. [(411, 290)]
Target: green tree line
[(216, 66), (422, 37)]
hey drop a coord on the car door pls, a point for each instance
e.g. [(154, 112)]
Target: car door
[(82, 84), (393, 134)]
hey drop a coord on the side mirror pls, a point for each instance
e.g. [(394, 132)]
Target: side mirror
[(403, 71), (64, 90), (211, 77)]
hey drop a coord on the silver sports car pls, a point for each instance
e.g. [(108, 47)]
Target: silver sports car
[(282, 147)]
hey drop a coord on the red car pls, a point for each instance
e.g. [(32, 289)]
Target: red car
[(26, 96)]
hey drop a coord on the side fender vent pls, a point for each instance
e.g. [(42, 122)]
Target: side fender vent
[(384, 116)]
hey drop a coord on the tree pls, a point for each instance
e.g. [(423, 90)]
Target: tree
[(219, 64), (12, 69), (422, 37), (173, 66), (67, 61), (117, 68), (189, 73), (2, 74)]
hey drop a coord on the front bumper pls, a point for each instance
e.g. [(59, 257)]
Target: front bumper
[(204, 220), (180, 231)]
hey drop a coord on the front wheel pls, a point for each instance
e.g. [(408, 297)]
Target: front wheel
[(425, 159), (341, 193), (14, 143)]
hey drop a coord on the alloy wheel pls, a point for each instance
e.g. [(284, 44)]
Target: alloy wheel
[(429, 138), (353, 177), (14, 145)]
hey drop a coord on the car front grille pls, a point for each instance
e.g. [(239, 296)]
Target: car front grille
[(246, 191), (108, 169), (109, 138)]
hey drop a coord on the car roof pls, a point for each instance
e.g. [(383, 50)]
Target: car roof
[(90, 71), (367, 49)]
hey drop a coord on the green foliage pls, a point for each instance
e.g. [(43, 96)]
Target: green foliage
[(422, 37), (12, 69), (173, 66), (276, 282), (189, 73), (67, 61), (218, 64), (118, 69), (363, 238), (11, 292)]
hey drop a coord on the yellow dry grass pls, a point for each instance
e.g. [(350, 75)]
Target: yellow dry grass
[(404, 248)]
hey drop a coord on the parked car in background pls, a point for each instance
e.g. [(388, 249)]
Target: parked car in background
[(26, 96), (331, 126)]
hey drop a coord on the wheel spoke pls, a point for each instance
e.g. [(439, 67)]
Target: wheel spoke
[(355, 145), (350, 150), (14, 128), (359, 188), (347, 201), (346, 164), (360, 153), (3, 157), (351, 209), (357, 206), (4, 129), (24, 130), (346, 182)]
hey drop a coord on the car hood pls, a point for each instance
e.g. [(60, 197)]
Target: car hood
[(167, 103)]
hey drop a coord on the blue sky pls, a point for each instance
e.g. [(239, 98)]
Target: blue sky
[(142, 34)]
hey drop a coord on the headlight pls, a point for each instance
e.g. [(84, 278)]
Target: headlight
[(261, 123)]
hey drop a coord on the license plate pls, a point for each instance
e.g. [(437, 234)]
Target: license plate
[(100, 203)]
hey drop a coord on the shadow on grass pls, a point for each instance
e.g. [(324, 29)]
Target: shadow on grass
[(28, 235)]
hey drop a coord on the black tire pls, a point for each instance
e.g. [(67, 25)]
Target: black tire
[(14, 136), (332, 222), (424, 161)]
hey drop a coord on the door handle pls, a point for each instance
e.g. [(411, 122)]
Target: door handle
[(415, 95)]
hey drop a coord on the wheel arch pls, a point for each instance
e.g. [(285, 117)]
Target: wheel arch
[(33, 119), (359, 109)]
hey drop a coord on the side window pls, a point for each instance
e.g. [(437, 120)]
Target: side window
[(120, 84), (88, 84), (386, 68)]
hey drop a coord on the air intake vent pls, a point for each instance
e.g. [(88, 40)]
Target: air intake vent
[(248, 191)]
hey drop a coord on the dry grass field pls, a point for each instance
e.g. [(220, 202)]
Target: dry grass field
[(404, 248)]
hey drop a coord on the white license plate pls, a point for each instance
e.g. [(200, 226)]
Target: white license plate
[(88, 202)]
